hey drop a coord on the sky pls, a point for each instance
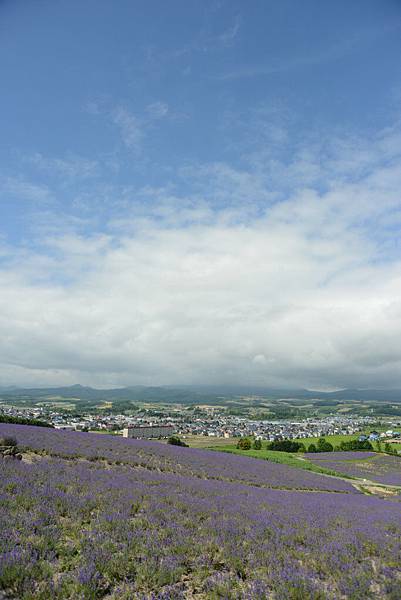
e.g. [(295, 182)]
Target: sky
[(200, 192)]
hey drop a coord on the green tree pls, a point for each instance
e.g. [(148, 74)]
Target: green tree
[(388, 448), (323, 446), (23, 421), (284, 446), (355, 445), (257, 445)]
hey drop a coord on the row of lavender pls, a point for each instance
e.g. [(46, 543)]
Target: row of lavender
[(159, 457), (73, 529), (352, 455), (380, 468)]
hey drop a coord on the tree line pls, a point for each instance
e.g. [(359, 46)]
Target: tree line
[(322, 445), (23, 421)]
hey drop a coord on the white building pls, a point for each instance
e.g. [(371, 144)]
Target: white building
[(148, 431)]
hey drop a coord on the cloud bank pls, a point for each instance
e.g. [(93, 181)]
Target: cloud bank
[(240, 281)]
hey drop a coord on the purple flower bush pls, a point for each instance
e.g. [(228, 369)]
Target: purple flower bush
[(87, 529)]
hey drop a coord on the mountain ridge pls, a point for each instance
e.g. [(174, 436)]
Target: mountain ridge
[(179, 393)]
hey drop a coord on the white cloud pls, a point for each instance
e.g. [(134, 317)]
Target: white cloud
[(228, 36), (133, 128), (130, 128), (20, 189), (73, 167), (299, 291), (157, 110), (337, 50)]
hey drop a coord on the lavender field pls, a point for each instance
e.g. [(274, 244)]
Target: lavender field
[(381, 468), (176, 523), (160, 457)]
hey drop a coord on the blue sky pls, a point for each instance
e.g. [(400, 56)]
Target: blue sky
[(200, 192)]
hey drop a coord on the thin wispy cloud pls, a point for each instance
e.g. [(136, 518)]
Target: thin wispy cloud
[(129, 126), (23, 190), (157, 110), (336, 51), (72, 167), (204, 41), (227, 38)]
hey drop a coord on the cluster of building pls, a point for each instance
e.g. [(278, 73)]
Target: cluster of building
[(226, 426), (390, 436), (212, 422)]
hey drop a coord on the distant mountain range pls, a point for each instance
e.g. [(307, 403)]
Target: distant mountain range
[(195, 394), (392, 395)]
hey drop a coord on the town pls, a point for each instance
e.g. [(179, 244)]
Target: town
[(202, 421)]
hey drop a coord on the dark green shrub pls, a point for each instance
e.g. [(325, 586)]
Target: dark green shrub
[(355, 445), (174, 440), (244, 444), (388, 449), (23, 421), (285, 446), (323, 446)]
